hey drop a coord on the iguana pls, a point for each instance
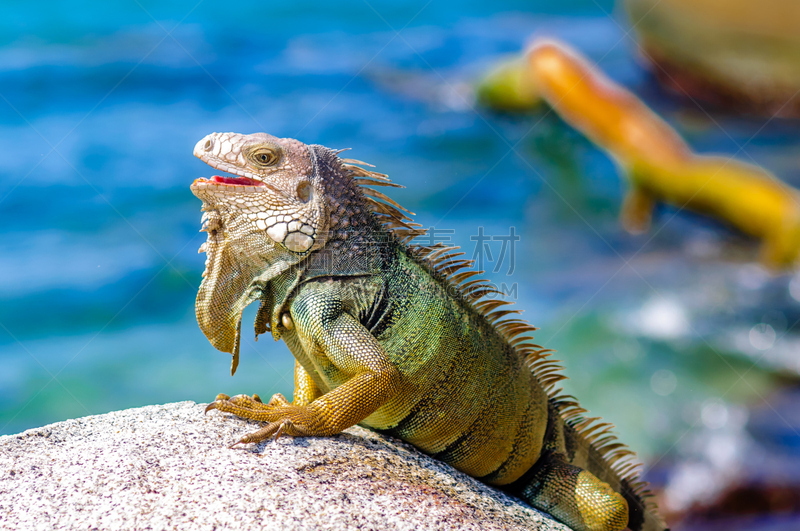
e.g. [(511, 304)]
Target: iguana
[(396, 337)]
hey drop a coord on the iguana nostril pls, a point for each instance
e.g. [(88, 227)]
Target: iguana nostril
[(209, 145)]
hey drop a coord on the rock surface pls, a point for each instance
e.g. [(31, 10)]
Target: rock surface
[(168, 467)]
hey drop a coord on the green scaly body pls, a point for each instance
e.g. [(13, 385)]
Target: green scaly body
[(391, 336)]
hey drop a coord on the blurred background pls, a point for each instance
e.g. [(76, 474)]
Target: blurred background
[(677, 336)]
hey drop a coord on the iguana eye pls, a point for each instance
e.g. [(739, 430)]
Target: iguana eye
[(264, 156)]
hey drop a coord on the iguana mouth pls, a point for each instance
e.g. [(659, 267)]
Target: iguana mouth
[(235, 179), (231, 180)]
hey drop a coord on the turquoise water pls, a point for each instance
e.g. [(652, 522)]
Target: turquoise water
[(102, 104)]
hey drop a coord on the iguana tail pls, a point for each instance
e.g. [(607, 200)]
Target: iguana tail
[(585, 477)]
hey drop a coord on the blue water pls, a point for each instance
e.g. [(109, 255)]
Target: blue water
[(102, 104)]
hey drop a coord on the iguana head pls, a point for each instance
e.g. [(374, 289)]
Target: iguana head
[(272, 186), (262, 219)]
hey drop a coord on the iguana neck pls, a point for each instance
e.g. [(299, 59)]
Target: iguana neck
[(356, 241)]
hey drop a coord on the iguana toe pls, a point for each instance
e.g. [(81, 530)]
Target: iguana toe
[(273, 428), (248, 402), (278, 400)]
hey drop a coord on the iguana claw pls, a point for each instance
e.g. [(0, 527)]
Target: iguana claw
[(240, 441), (213, 405)]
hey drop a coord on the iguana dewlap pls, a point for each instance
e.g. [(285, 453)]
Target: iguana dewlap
[(392, 336)]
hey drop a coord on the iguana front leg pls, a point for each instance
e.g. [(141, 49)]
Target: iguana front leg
[(305, 390), (336, 336)]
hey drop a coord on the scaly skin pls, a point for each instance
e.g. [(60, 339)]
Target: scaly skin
[(390, 336)]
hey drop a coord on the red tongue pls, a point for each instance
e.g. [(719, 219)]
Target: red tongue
[(244, 181)]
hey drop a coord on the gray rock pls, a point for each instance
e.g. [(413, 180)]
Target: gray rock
[(169, 467)]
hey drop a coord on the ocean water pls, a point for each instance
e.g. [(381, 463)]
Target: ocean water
[(101, 104)]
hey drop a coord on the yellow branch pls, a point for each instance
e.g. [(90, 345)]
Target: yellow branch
[(659, 164)]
